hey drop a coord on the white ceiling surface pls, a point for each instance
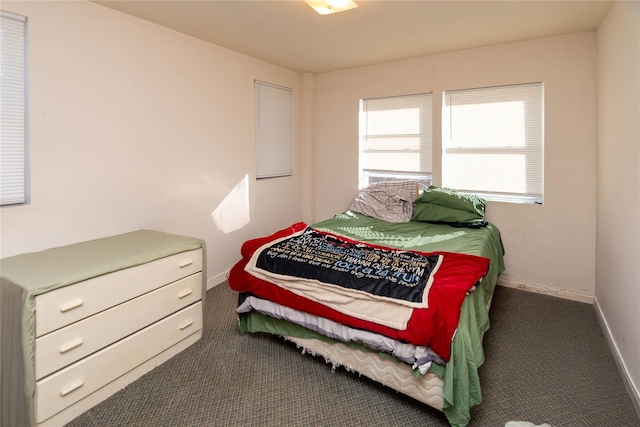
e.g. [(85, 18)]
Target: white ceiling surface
[(292, 35)]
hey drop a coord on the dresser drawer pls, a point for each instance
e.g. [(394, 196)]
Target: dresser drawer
[(69, 304), (64, 388), (67, 345)]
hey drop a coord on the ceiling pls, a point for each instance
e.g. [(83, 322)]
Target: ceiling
[(291, 34)]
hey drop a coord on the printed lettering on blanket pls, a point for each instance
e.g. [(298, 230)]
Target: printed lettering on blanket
[(382, 272)]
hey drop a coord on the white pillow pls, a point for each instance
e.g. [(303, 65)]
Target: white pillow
[(387, 204)]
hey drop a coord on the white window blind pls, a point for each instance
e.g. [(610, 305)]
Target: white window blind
[(493, 140), (395, 138), (273, 123), (12, 111)]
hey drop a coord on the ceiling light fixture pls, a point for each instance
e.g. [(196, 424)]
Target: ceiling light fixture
[(325, 7)]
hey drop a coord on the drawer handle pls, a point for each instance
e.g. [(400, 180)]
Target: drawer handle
[(71, 388), (71, 305), (185, 263), (71, 345), (185, 293), (186, 324)]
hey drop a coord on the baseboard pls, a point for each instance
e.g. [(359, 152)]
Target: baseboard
[(545, 290), (634, 393), (216, 280)]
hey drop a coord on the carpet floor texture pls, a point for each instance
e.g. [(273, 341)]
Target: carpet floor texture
[(547, 361)]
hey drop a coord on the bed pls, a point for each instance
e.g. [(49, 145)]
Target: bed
[(417, 324)]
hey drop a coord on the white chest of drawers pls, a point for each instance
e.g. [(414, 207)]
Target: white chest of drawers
[(94, 317)]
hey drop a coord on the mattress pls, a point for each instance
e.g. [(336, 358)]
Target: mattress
[(391, 373)]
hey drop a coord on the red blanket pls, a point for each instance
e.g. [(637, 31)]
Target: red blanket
[(433, 326)]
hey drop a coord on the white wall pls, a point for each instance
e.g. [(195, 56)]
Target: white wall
[(132, 125), (136, 126), (549, 247), (618, 206)]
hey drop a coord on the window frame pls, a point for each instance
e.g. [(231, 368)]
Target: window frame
[(533, 148), (14, 176), (273, 143), (368, 176)]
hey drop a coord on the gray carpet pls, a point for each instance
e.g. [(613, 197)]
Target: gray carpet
[(547, 360)]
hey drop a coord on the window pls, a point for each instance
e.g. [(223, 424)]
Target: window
[(395, 139), (13, 112), (492, 142), (273, 124)]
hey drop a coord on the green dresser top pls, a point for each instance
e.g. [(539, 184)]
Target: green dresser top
[(39, 272)]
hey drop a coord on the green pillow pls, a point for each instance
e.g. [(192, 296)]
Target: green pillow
[(443, 205), (428, 212)]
